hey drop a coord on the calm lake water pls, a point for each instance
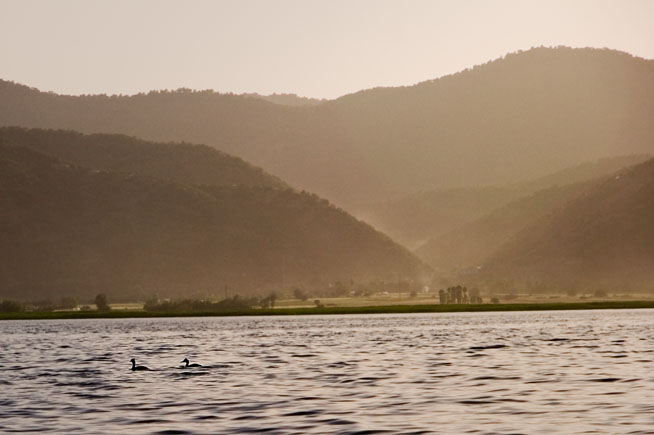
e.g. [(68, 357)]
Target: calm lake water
[(528, 372)]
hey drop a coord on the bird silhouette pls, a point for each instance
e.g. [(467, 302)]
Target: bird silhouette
[(185, 360), (137, 368)]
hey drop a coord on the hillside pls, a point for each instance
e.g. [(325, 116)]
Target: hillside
[(604, 238), (69, 230), (179, 162), (414, 219), (470, 245), (519, 117)]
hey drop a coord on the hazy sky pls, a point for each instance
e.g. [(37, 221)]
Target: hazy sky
[(312, 48)]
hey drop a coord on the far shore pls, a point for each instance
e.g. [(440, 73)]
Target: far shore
[(382, 309)]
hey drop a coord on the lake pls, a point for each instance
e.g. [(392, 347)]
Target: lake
[(515, 372)]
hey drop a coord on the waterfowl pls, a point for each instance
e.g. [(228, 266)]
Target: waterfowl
[(135, 367), (185, 360)]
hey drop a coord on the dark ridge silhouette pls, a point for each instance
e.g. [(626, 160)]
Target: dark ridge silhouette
[(414, 219), (603, 238), (524, 115), (287, 99), (77, 231), (180, 162)]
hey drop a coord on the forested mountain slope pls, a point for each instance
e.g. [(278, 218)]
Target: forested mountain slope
[(69, 230), (415, 219), (180, 162), (472, 244), (604, 237), (516, 118)]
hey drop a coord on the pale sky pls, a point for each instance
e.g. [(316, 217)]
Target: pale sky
[(312, 48)]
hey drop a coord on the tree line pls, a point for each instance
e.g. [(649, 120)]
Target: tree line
[(459, 295)]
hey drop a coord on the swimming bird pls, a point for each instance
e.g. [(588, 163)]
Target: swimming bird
[(185, 360), (135, 367)]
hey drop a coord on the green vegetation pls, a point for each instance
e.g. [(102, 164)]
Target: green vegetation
[(41, 306), (101, 303), (235, 303), (388, 309), (7, 306)]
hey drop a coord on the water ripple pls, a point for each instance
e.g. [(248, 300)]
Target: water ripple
[(544, 372)]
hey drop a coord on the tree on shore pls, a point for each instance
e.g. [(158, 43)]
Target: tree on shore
[(7, 306), (298, 293), (101, 303), (269, 301)]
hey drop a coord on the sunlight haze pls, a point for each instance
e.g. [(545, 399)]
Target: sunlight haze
[(326, 216), (321, 49)]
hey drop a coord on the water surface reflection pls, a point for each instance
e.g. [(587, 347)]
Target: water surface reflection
[(532, 372)]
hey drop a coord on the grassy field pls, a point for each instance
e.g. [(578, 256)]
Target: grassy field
[(370, 309), (393, 298)]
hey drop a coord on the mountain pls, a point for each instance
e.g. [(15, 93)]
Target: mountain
[(603, 238), (287, 99), (522, 116), (415, 219), (469, 245), (251, 128), (70, 230), (179, 162)]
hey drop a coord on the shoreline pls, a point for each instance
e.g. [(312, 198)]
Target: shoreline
[(381, 309)]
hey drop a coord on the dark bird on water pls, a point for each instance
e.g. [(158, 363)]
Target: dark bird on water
[(135, 367), (185, 360)]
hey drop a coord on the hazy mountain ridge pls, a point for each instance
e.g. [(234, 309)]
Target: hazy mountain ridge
[(70, 230), (604, 237), (525, 115), (287, 99), (180, 162), (251, 128), (472, 244), (414, 219)]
